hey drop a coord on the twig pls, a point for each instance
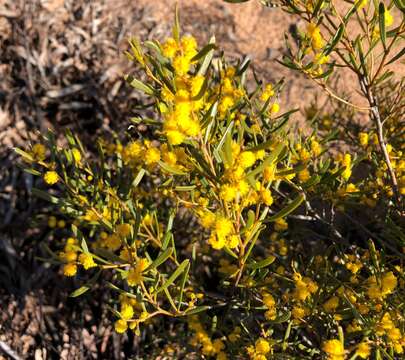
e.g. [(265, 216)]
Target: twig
[(376, 117)]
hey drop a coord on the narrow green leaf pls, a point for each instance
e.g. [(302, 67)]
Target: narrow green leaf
[(267, 161), (400, 4), (138, 177), (197, 309), (174, 276), (161, 258), (80, 291), (203, 52), (397, 56), (170, 169), (288, 209), (176, 28), (45, 196), (381, 19), (183, 284), (207, 59), (24, 154), (335, 40), (137, 84), (263, 263)]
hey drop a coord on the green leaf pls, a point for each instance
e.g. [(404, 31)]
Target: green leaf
[(400, 4), (174, 276), (138, 177), (267, 161), (397, 56), (137, 84), (381, 19), (282, 318), (80, 291), (197, 309), (32, 172), (24, 154), (45, 196), (263, 263), (176, 28), (79, 236), (222, 141), (170, 169), (203, 52), (161, 258), (207, 59), (335, 40), (183, 284), (317, 7), (288, 209), (87, 286)]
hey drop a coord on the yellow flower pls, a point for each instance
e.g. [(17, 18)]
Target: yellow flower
[(51, 177), (170, 48), (275, 108), (38, 152), (363, 138), (127, 311), (267, 93), (316, 147), (70, 269), (77, 156), (314, 34), (262, 346), (70, 256), (233, 241), (363, 350), (175, 137), (152, 156), (134, 277), (113, 242), (217, 241), (388, 18), (207, 219), (334, 349), (228, 192), (331, 304), (120, 326), (123, 230), (280, 225), (223, 226), (304, 175), (361, 4), (181, 65), (52, 222), (135, 274), (87, 261), (247, 159), (298, 312)]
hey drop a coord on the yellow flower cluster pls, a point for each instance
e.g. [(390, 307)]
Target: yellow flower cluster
[(334, 349), (315, 36), (135, 276), (201, 338), (222, 231), (71, 259), (181, 106), (260, 350), (230, 94), (382, 288)]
